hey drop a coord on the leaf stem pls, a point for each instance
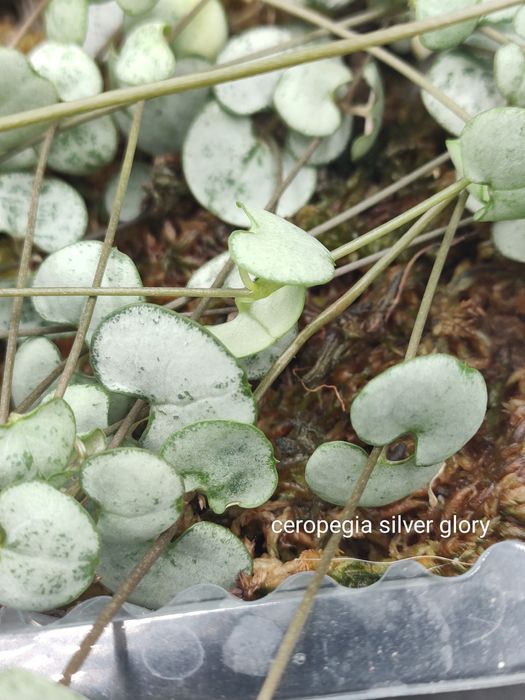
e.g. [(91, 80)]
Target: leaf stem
[(23, 273), (126, 96), (123, 292)]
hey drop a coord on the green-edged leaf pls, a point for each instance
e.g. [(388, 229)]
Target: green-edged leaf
[(83, 149), (436, 398), (205, 553), (447, 37), (231, 463), (74, 74), (21, 89), (136, 7), (49, 547), (35, 359), (374, 120), (278, 251), (334, 468), (493, 148), (19, 684), (258, 364), (90, 406), (139, 494), (224, 161), (305, 96), (253, 94), (62, 215), (330, 147), (509, 72), (136, 193), (146, 56), (509, 238), (67, 20), (259, 324), (466, 79), (74, 266), (205, 276), (166, 120), (139, 351), (39, 443)]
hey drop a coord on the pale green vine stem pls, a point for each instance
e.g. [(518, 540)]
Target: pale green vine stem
[(126, 96), (313, 17), (123, 292), (23, 273), (302, 613), (87, 312)]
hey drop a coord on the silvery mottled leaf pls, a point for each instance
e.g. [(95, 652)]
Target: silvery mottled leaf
[(330, 147), (136, 192), (104, 21), (19, 684), (509, 72), (205, 553), (90, 406), (35, 359), (205, 276), (21, 89), (145, 56), (509, 238), (334, 468), (305, 96), (66, 20), (261, 323), (132, 352), (139, 494), (300, 190), (62, 215), (278, 251), (74, 74), (466, 79), (37, 444), (447, 37), (374, 121), (83, 149), (436, 398), (253, 94), (231, 463), (49, 547), (257, 365), (74, 266), (30, 319), (23, 160)]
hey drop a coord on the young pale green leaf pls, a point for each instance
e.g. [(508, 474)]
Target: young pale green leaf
[(436, 398), (509, 72), (509, 238), (67, 20), (205, 553), (39, 443), (278, 251), (206, 274), (166, 120), (139, 351), (258, 364), (35, 359), (136, 193), (305, 96), (139, 494), (253, 94), (21, 89), (146, 56), (74, 74), (493, 148), (74, 266), (466, 79), (83, 149), (136, 7), (62, 215), (374, 120), (90, 406), (231, 463), (259, 324), (19, 684), (330, 147), (49, 547), (447, 37), (334, 468)]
